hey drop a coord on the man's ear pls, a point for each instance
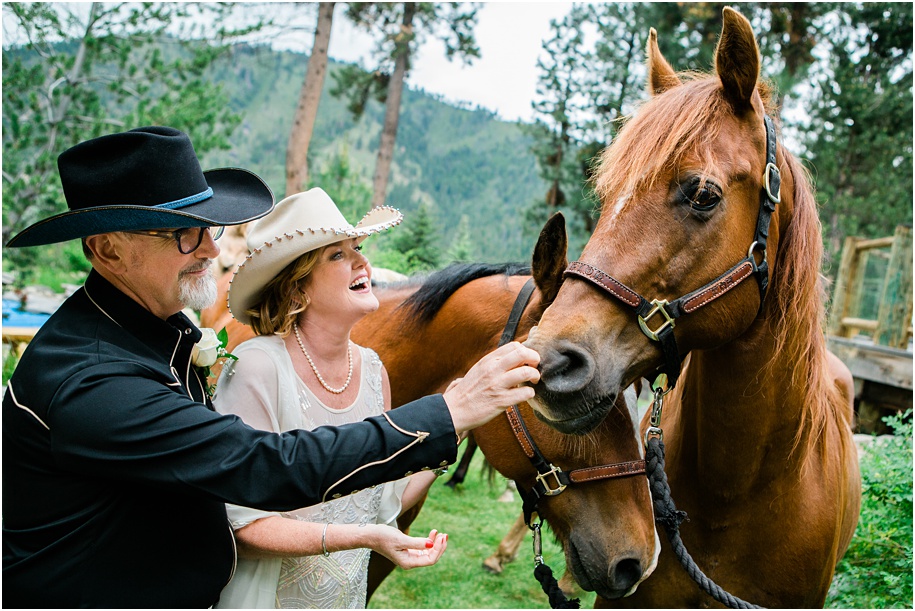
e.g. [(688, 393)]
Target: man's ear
[(108, 250)]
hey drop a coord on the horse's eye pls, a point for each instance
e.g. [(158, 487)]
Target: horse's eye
[(700, 196), (705, 198)]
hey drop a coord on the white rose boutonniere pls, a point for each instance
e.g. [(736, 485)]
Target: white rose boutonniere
[(207, 351)]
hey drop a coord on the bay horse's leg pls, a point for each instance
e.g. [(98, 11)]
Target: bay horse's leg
[(508, 547), (461, 472)]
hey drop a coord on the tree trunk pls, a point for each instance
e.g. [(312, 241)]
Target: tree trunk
[(76, 72), (392, 108), (309, 97)]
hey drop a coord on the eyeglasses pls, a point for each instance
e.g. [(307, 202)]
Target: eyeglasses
[(188, 239)]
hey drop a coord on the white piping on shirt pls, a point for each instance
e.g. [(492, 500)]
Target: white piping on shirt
[(171, 366), (9, 389), (170, 361), (420, 437), (100, 307)]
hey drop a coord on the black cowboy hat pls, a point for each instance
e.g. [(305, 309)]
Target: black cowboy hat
[(146, 178)]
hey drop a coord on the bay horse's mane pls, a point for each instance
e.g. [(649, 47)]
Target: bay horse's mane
[(436, 288), (686, 120)]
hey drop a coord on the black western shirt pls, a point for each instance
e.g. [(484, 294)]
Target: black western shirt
[(116, 469)]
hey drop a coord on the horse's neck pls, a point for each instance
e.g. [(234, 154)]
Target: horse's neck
[(740, 407)]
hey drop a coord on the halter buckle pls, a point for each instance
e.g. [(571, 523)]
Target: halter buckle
[(542, 478), (658, 307), (770, 168)]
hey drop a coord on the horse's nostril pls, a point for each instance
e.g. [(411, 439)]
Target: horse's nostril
[(626, 573), (574, 361), (567, 368)]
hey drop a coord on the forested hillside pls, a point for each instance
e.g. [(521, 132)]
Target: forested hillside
[(480, 186), (460, 162)]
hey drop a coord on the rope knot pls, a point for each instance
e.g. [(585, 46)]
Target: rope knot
[(558, 600)]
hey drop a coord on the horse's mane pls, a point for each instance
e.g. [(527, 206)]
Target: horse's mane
[(436, 288), (797, 305)]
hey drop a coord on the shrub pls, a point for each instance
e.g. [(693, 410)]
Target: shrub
[(876, 571)]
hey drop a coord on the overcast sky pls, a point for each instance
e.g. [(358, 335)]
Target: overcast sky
[(503, 79)]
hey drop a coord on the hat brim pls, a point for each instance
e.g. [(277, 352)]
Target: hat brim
[(239, 196), (265, 262)]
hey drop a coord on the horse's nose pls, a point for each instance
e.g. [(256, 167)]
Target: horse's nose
[(625, 574), (566, 368)]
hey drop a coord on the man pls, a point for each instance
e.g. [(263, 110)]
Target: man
[(115, 467)]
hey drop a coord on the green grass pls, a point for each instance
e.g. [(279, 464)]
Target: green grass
[(475, 522), (876, 572)]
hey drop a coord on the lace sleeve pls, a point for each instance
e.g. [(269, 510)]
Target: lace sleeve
[(249, 388)]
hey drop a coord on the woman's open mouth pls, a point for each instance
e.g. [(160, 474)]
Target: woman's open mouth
[(361, 285)]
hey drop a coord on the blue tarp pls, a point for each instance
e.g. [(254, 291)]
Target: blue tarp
[(14, 317)]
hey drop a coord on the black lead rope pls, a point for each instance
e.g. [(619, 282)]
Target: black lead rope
[(544, 575), (666, 513)]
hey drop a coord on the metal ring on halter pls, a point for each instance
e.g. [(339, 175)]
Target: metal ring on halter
[(542, 478), (777, 197), (660, 383), (752, 248)]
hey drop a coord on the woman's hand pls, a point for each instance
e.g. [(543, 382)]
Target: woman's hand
[(405, 551)]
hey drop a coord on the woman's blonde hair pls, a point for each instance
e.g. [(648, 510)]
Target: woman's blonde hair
[(281, 300)]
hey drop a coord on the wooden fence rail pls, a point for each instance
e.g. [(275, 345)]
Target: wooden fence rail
[(893, 325)]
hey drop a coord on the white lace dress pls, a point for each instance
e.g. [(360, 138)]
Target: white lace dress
[(264, 390)]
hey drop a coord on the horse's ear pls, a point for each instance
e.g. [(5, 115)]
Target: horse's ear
[(737, 59), (550, 258), (661, 76)]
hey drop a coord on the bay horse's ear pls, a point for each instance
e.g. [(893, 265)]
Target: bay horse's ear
[(661, 76), (737, 59), (550, 258)]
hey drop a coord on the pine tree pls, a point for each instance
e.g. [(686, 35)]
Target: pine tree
[(84, 71), (859, 137), (345, 185), (418, 239), (462, 248), (399, 27), (307, 110)]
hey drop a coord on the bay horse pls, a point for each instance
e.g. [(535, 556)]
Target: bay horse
[(758, 438), (430, 331)]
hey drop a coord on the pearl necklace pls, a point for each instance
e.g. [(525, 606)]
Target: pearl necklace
[(349, 354)]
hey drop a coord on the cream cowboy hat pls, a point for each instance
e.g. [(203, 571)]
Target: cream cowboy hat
[(299, 224)]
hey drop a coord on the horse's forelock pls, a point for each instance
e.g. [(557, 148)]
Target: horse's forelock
[(684, 120)]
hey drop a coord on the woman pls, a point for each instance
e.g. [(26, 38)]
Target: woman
[(302, 289)]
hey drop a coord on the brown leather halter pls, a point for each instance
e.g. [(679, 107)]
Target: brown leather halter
[(770, 195), (550, 480)]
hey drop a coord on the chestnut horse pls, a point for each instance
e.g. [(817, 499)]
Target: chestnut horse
[(431, 333), (757, 432)]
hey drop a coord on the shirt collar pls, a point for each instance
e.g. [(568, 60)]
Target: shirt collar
[(136, 319)]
